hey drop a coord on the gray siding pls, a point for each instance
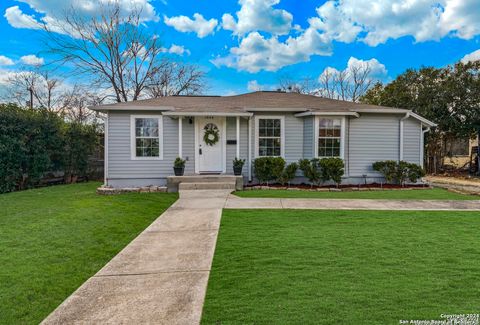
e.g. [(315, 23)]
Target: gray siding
[(411, 141), (188, 140), (231, 148), (308, 137), (120, 164), (372, 137)]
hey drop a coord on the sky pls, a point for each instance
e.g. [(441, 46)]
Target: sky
[(246, 45)]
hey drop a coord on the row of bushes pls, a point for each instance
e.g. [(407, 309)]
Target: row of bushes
[(398, 171), (34, 142), (274, 169)]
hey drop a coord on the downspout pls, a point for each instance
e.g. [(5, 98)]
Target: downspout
[(401, 135)]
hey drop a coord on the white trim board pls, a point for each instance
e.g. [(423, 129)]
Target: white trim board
[(133, 137)]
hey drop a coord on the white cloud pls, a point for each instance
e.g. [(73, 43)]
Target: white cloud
[(377, 70), (16, 18), (32, 59), (176, 49), (462, 17), (258, 15), (253, 85), (5, 61), (256, 52), (198, 24), (376, 21), (51, 12), (474, 56)]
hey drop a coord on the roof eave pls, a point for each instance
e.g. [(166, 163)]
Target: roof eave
[(116, 107), (327, 113), (423, 120), (199, 113)]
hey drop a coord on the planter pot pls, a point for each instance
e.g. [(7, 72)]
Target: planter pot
[(178, 171), (237, 171)]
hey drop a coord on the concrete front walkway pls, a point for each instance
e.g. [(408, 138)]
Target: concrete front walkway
[(235, 202), (160, 277)]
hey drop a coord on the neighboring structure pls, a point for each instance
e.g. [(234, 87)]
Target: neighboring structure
[(143, 138)]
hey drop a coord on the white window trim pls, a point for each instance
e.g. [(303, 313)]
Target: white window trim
[(282, 133), (133, 148), (342, 134)]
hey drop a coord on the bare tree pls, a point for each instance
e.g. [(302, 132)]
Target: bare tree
[(113, 47), (359, 81), (349, 84), (306, 85), (176, 78), (75, 103), (35, 88)]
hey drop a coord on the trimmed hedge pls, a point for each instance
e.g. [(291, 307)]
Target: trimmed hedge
[(268, 169), (34, 142), (322, 170), (399, 172)]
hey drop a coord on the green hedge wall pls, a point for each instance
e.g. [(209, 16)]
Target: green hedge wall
[(34, 142)]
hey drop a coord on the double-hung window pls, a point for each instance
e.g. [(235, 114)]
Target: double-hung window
[(329, 137), (146, 133), (269, 136)]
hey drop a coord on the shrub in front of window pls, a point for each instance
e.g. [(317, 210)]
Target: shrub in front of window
[(332, 169), (288, 174), (310, 169), (388, 168), (268, 169)]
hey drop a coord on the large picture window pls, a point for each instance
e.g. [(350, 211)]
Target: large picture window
[(146, 137), (329, 137), (269, 136)]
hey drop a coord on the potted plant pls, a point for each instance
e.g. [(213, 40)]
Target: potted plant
[(179, 166), (238, 166)]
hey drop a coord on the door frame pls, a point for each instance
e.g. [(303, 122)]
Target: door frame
[(223, 138)]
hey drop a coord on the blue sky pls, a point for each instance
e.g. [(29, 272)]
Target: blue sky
[(253, 42)]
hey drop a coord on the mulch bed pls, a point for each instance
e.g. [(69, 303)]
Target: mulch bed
[(342, 187)]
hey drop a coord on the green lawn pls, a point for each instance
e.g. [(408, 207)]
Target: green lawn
[(53, 239), (428, 194), (343, 267)]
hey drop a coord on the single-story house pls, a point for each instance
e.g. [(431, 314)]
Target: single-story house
[(143, 138)]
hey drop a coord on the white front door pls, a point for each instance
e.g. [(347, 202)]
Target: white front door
[(210, 156)]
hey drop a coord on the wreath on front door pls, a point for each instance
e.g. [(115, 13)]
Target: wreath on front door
[(211, 135)]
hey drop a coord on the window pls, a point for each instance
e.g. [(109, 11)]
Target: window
[(146, 137), (329, 137), (269, 132)]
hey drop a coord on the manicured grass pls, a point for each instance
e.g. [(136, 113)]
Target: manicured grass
[(428, 194), (343, 267), (53, 239)]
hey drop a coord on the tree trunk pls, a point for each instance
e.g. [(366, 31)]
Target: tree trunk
[(478, 152)]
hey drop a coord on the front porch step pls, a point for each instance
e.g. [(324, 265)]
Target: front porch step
[(205, 178), (207, 186), (205, 182)]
